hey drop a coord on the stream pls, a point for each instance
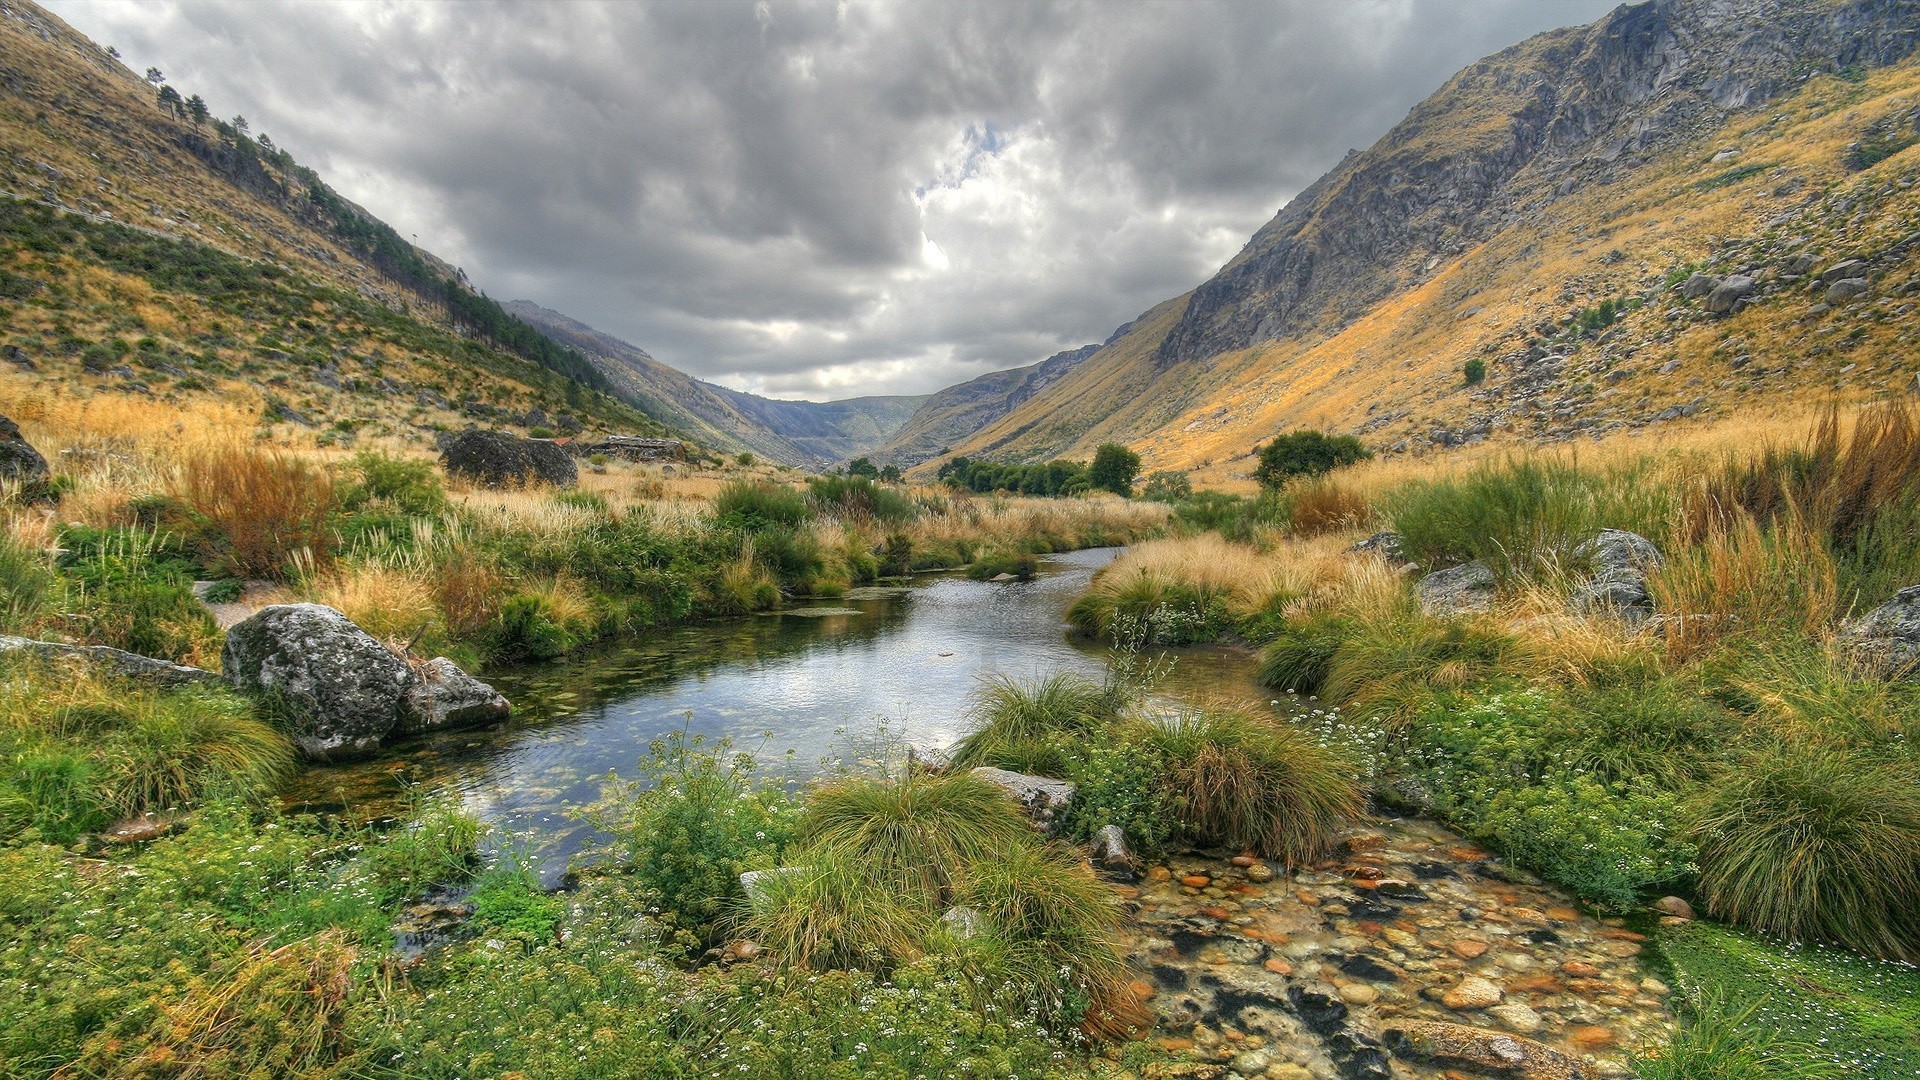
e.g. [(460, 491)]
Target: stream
[(1411, 935)]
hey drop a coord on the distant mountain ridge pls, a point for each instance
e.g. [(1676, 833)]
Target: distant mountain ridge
[(802, 433), (952, 415)]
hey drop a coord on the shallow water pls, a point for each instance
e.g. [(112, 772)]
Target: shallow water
[(837, 680)]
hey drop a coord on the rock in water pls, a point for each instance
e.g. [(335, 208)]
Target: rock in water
[(497, 459), (1620, 561), (1457, 590), (1044, 798), (20, 463), (1110, 848), (1505, 1055), (443, 696), (1886, 640), (341, 691)]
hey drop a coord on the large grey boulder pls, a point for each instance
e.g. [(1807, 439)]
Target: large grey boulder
[(1886, 640), (1728, 293), (20, 463), (340, 691), (1457, 590), (1699, 285), (1846, 291), (443, 696), (1044, 798), (116, 662), (1619, 561), (498, 459)]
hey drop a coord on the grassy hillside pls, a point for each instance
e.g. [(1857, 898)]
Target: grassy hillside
[(1817, 175), (144, 252)]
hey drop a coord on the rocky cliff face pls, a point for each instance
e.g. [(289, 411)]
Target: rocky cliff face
[(1509, 136)]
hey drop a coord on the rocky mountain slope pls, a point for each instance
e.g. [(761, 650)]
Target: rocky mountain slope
[(805, 433), (149, 249), (1541, 213)]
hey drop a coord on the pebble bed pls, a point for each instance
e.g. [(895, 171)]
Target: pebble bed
[(1413, 954)]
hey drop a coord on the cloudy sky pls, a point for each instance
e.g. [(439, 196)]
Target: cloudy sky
[(823, 199)]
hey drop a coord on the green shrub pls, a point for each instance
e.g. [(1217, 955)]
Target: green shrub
[(1306, 453), (690, 823), (745, 504), (1167, 611), (1299, 656), (859, 498), (1523, 515), (409, 487), (527, 629), (1113, 469), (511, 902), (1167, 487), (1243, 782), (1034, 726), (1120, 781), (1474, 371), (1816, 843)]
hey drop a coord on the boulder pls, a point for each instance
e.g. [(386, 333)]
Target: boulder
[(443, 696), (1728, 293), (1043, 797), (20, 463), (1389, 545), (116, 662), (340, 691), (1845, 268), (1457, 590), (1619, 561), (1846, 290), (1501, 1054), (1886, 640), (497, 459), (1699, 285)]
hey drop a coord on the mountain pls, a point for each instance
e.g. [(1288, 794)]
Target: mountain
[(151, 251), (804, 433), (1542, 213), (953, 414)]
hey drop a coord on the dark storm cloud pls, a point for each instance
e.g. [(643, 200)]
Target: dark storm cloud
[(815, 199)]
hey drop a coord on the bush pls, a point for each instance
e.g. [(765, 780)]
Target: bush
[(1306, 453), (1814, 843), (409, 487), (1524, 514), (267, 508), (754, 507), (1167, 487), (1298, 659), (1474, 371), (1113, 469), (705, 818), (859, 498), (1034, 726), (132, 591), (1120, 780), (1241, 782), (1317, 507)]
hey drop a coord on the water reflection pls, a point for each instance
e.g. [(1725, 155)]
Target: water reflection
[(812, 682)]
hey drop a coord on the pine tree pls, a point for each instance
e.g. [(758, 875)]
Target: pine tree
[(197, 110)]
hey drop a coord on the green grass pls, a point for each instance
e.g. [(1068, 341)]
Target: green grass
[(1719, 1042), (1033, 726), (1300, 656), (1855, 1016)]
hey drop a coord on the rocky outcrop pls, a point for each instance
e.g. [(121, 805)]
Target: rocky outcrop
[(115, 662), (20, 464), (1619, 562), (338, 691), (1457, 590), (1886, 640), (497, 459), (443, 696), (1508, 137), (1044, 798)]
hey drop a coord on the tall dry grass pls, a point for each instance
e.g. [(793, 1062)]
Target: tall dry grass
[(270, 506)]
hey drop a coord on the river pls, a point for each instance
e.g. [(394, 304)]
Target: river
[(837, 681)]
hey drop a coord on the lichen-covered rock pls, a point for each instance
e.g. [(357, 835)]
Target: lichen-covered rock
[(1620, 561), (497, 459), (443, 696), (339, 691), (1044, 798), (1389, 545), (1729, 293), (1457, 590), (116, 662), (1846, 291), (1886, 640), (1505, 1055)]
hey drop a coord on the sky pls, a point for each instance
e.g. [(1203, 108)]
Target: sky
[(823, 200)]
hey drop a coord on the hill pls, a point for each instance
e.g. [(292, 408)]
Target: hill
[(955, 413), (805, 433), (148, 249), (1542, 213)]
